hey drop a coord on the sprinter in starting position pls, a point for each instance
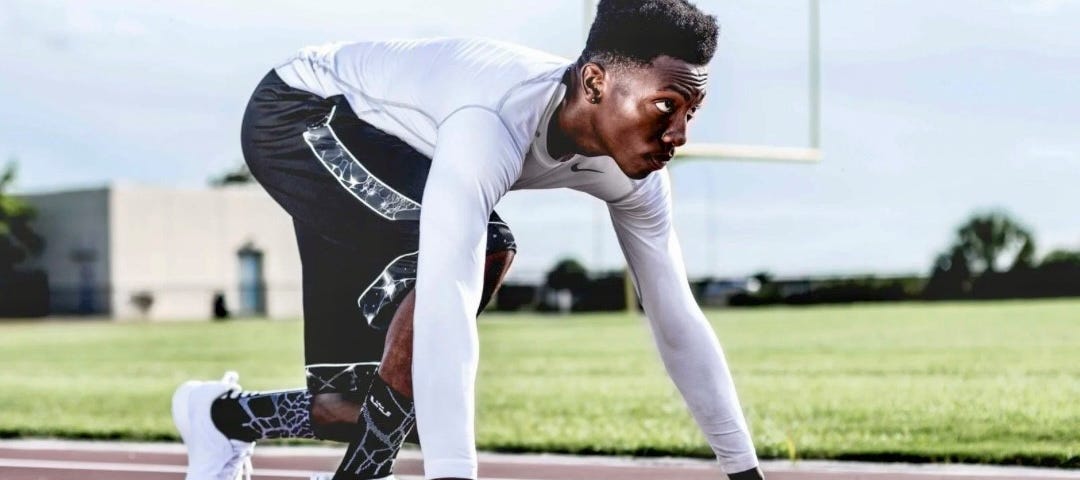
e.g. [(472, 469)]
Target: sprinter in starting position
[(390, 157)]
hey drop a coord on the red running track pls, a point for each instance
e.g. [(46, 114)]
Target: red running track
[(64, 460)]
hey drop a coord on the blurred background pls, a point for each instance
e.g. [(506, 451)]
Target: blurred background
[(950, 172), (119, 114)]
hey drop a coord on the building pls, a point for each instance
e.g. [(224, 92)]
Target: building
[(131, 251)]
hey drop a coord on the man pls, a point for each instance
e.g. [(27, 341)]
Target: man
[(351, 139)]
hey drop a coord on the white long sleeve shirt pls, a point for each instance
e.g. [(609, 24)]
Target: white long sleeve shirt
[(480, 109)]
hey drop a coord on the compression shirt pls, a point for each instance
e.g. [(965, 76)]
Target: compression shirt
[(480, 109)]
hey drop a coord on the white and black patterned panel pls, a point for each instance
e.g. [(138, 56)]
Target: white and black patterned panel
[(357, 179), (395, 281), (340, 378), (374, 452), (285, 414)]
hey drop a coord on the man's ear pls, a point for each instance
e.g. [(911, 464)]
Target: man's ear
[(593, 82)]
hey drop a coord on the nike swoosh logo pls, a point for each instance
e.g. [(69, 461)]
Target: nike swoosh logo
[(577, 168)]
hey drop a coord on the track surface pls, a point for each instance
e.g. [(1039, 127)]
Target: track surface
[(63, 460)]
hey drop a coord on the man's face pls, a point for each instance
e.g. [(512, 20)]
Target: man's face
[(644, 112)]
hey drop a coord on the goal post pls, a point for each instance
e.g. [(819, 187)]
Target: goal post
[(810, 154), (759, 153)]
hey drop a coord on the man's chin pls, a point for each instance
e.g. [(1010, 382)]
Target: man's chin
[(635, 174)]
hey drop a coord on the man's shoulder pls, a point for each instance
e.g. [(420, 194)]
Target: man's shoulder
[(470, 70), (490, 47), (474, 51), (507, 63)]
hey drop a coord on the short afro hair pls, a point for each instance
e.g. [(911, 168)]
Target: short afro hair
[(637, 31)]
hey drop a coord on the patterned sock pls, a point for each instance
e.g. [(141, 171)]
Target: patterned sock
[(251, 416), (385, 418)]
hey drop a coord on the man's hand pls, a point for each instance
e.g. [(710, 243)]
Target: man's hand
[(754, 474)]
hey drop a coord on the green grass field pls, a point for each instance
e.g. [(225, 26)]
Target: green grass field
[(975, 382)]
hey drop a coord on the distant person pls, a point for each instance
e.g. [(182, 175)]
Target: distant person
[(221, 311), (350, 138)]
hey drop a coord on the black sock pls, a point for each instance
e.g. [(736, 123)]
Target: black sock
[(251, 416), (385, 419)]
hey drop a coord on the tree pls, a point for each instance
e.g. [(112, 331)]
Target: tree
[(237, 176), (17, 240), (951, 277), (567, 280), (568, 274), (992, 239), (1059, 273), (1061, 258)]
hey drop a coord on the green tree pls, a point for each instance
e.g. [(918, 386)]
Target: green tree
[(568, 274), (17, 240), (766, 285), (568, 279), (1062, 258), (951, 277), (992, 239), (239, 175)]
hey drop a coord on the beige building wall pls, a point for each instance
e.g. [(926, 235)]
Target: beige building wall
[(181, 247), (108, 246)]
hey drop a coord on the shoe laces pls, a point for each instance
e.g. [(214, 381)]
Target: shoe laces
[(245, 469), (242, 454)]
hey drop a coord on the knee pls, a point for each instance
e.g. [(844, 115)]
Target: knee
[(496, 265)]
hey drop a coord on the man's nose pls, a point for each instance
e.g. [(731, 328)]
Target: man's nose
[(675, 134)]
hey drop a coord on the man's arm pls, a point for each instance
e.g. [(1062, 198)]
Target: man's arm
[(688, 346), (474, 165)]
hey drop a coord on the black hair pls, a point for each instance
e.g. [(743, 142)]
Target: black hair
[(637, 31)]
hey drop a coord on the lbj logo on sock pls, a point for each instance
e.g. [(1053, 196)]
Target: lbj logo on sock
[(382, 409)]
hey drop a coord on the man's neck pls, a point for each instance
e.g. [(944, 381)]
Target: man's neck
[(559, 143), (570, 126)]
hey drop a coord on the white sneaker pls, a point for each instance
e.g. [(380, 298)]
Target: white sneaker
[(211, 455)]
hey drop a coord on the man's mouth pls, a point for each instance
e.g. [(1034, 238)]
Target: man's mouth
[(657, 161), (662, 157)]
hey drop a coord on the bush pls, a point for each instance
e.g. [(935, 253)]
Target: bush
[(24, 294)]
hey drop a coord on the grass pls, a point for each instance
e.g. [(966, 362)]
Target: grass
[(991, 382)]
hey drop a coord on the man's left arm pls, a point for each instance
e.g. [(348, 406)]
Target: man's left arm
[(687, 344)]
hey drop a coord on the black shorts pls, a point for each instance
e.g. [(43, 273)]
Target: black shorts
[(354, 194)]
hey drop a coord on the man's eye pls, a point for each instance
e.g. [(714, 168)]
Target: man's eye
[(666, 106)]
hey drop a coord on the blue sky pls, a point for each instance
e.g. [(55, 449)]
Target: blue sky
[(931, 110)]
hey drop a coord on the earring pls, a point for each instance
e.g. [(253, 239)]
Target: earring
[(594, 100)]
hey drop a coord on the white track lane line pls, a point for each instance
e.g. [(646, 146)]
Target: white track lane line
[(130, 467), (153, 468)]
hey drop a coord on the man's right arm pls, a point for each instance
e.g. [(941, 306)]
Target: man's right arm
[(475, 163), (686, 341)]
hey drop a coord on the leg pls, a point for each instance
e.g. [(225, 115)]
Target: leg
[(274, 145), (396, 367), (332, 414), (347, 234), (387, 414), (350, 253), (341, 353), (356, 190)]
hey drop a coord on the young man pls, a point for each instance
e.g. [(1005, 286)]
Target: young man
[(351, 139)]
